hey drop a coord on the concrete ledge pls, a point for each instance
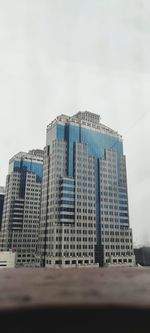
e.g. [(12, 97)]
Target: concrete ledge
[(100, 319), (75, 300)]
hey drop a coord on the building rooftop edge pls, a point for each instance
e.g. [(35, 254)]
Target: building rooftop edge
[(31, 154), (86, 119)]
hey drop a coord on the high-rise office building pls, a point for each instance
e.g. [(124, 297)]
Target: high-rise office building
[(84, 209), (21, 212), (2, 195)]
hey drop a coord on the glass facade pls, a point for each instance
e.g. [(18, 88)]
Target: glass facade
[(85, 168), (97, 143), (29, 166)]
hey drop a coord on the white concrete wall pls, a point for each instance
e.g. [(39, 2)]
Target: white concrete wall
[(7, 259)]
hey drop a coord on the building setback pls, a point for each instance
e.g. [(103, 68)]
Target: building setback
[(21, 213), (84, 209)]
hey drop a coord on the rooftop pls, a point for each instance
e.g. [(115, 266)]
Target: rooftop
[(85, 119), (35, 154)]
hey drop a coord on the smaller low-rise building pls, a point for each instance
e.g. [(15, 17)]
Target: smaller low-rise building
[(142, 256), (7, 259)]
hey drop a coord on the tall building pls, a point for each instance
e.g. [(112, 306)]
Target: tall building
[(84, 208), (21, 213), (2, 195)]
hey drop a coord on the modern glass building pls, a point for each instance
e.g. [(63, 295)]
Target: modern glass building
[(84, 208), (20, 223)]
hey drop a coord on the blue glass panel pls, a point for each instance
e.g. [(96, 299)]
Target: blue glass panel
[(72, 136), (124, 221), (68, 181), (97, 142), (67, 202), (123, 196), (123, 202), (123, 214), (60, 132), (36, 168), (65, 188), (29, 166), (123, 208), (68, 195), (16, 165), (122, 190)]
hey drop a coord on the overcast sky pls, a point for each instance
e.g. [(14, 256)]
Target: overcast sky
[(61, 56)]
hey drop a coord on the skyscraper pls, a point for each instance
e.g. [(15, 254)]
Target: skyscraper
[(21, 213), (84, 208)]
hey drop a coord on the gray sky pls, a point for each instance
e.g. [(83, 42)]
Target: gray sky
[(61, 56)]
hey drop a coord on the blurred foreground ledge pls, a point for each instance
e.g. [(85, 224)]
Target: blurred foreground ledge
[(75, 300)]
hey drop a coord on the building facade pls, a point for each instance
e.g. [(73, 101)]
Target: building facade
[(2, 195), (21, 212), (84, 208)]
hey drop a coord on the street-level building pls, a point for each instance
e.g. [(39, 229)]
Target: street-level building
[(21, 212), (84, 208)]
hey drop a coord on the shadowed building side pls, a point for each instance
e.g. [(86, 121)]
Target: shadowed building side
[(2, 196), (142, 256)]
